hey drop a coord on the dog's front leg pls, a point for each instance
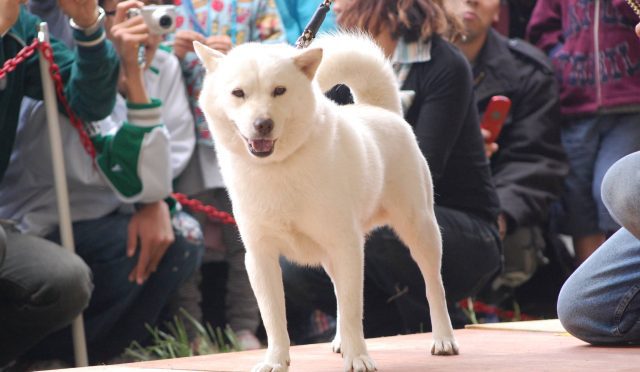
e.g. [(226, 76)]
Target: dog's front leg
[(265, 276), (347, 273)]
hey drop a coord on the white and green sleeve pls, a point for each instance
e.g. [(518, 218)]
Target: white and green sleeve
[(135, 161)]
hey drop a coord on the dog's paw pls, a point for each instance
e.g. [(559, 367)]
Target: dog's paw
[(271, 367), (360, 363), (446, 346), (336, 344)]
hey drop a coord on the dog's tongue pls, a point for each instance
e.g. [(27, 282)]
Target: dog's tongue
[(261, 145)]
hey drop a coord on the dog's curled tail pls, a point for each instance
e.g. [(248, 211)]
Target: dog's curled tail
[(354, 59)]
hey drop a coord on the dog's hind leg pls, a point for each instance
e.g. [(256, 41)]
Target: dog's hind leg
[(418, 229), (346, 269), (265, 276)]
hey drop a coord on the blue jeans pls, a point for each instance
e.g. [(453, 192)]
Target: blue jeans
[(119, 309), (394, 287), (593, 144), (43, 287), (600, 302)]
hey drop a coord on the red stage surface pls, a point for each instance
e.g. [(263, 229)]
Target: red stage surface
[(540, 347)]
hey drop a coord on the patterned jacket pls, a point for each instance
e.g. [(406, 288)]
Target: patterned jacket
[(595, 52)]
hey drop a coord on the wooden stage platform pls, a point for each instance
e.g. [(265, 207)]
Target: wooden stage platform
[(519, 346)]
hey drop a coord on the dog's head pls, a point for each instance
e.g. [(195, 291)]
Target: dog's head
[(259, 99)]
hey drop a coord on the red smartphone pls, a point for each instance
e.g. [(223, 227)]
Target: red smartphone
[(495, 116)]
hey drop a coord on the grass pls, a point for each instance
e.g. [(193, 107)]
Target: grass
[(176, 343)]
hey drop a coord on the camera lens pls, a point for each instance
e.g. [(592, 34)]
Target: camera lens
[(165, 21)]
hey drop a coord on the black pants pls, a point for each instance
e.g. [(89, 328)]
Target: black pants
[(394, 292), (43, 287)]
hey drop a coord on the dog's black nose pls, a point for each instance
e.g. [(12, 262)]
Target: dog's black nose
[(263, 126)]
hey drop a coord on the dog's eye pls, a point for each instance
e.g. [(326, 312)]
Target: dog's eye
[(279, 91), (238, 93)]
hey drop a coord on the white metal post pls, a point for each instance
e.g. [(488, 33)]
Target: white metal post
[(62, 192)]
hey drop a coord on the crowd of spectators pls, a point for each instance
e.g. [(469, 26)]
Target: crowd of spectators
[(564, 164)]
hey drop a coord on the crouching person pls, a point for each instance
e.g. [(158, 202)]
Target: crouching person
[(43, 287), (135, 239)]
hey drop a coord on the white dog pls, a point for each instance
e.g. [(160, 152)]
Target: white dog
[(308, 178)]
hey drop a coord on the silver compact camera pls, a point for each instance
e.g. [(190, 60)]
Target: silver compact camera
[(161, 19)]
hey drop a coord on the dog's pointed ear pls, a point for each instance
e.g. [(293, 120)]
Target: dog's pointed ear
[(308, 61), (209, 57)]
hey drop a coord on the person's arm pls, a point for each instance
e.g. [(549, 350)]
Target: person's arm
[(135, 159), (90, 74), (447, 92), (141, 148), (530, 165), (545, 26)]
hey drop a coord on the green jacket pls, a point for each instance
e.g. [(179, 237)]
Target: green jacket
[(90, 75)]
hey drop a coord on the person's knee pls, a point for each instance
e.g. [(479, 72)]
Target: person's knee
[(620, 192), (577, 313), (67, 291)]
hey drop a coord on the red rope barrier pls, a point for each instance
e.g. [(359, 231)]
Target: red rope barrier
[(481, 307), (197, 206), (12, 63), (54, 70)]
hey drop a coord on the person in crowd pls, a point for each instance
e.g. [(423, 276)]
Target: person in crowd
[(296, 14), (594, 51), (43, 287), (221, 25), (600, 302), (528, 162), (139, 245), (445, 120)]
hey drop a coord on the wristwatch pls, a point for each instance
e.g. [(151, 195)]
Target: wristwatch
[(94, 27)]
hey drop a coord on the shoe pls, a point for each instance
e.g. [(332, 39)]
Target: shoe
[(248, 340)]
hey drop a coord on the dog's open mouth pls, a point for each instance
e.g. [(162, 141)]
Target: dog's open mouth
[(261, 147)]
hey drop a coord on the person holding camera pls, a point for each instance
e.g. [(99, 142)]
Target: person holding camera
[(43, 286), (221, 25), (137, 242)]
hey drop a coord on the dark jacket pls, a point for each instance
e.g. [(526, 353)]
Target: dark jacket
[(530, 164), (445, 122), (565, 30)]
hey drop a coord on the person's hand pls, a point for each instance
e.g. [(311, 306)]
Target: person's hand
[(128, 34), (221, 43), (638, 29), (151, 229), (490, 148), (502, 225), (83, 12), (183, 42), (9, 12)]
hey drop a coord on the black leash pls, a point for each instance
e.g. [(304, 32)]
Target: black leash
[(314, 25)]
